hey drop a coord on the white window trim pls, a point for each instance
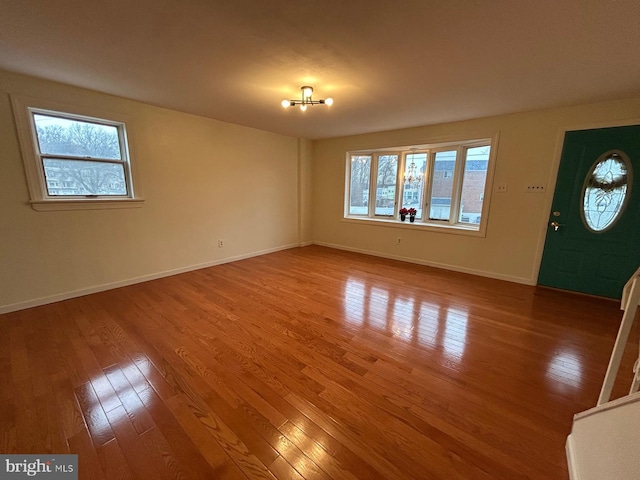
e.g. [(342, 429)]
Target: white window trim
[(444, 226), (39, 198)]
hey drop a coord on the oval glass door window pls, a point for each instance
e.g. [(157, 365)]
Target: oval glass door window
[(605, 191)]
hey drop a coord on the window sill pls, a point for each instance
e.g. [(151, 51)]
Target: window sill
[(431, 227), (85, 204)]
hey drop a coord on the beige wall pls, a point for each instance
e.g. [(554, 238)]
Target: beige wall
[(194, 173), (305, 180), (202, 180), (528, 152)]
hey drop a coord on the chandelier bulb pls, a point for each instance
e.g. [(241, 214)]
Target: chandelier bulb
[(328, 101), (307, 92), (286, 103)]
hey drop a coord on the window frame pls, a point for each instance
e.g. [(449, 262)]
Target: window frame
[(453, 224), (40, 199), (375, 158)]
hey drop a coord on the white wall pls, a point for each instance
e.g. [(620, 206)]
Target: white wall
[(202, 180), (528, 152)]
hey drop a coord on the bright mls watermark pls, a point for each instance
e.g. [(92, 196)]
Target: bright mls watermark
[(51, 467)]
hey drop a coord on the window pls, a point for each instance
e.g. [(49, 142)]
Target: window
[(359, 189), (387, 178), (442, 186), (74, 161), (445, 183), (605, 191)]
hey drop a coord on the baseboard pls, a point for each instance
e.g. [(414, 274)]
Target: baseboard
[(145, 278), (36, 302), (444, 266)]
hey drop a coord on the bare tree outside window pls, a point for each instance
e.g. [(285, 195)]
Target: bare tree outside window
[(386, 184), (92, 160), (359, 191), (84, 178)]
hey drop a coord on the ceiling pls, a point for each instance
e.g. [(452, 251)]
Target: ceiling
[(388, 64)]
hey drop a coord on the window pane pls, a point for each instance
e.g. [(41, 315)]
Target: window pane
[(605, 192), (63, 136), (78, 177), (359, 189), (415, 165), (442, 185), (475, 177), (386, 184)]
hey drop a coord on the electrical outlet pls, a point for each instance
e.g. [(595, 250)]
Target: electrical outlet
[(501, 188), (398, 240), (535, 188), (220, 243)]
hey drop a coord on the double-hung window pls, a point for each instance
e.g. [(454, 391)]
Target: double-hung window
[(74, 161), (444, 185)]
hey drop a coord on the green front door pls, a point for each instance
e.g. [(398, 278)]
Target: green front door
[(593, 234)]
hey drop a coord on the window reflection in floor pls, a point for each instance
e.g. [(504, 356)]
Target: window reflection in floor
[(405, 316), (565, 370)]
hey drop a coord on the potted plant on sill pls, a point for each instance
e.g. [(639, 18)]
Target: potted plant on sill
[(403, 213), (412, 214)]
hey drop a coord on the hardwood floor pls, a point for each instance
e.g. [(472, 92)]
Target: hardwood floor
[(310, 363)]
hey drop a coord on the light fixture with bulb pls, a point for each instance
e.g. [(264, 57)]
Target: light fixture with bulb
[(306, 99)]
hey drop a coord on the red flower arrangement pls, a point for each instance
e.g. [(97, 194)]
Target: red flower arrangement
[(412, 211), (404, 211)]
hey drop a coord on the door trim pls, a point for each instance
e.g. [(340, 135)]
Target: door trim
[(553, 178)]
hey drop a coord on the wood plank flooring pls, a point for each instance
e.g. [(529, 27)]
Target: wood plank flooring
[(310, 363)]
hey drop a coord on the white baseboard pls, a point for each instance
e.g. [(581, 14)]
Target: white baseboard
[(36, 302), (444, 266)]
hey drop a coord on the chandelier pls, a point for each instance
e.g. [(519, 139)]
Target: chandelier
[(412, 175), (306, 99)]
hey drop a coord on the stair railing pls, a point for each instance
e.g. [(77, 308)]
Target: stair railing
[(629, 303)]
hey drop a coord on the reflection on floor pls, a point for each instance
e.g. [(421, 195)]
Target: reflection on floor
[(306, 363)]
